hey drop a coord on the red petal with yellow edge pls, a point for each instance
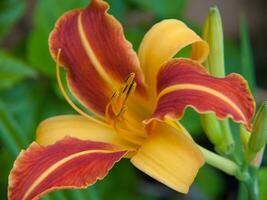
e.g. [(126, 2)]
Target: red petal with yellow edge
[(169, 156), (95, 52), (184, 83), (70, 163)]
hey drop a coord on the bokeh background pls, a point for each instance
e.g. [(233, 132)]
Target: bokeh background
[(29, 93)]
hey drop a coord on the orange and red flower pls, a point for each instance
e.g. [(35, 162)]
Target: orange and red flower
[(136, 100)]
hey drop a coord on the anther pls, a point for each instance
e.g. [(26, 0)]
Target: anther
[(117, 105), (129, 81)]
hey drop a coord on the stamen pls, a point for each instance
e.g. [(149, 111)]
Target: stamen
[(131, 89), (117, 105), (129, 81), (116, 113), (78, 110)]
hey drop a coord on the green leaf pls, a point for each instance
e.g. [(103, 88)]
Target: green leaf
[(36, 100), (232, 55), (13, 70), (11, 133), (45, 16), (163, 9), (10, 12), (25, 103), (4, 171), (247, 67), (25, 106), (263, 183)]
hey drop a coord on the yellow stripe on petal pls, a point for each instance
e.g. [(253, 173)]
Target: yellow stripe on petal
[(204, 89), (169, 156), (57, 165), (185, 83), (69, 163), (163, 41), (90, 53), (56, 128)]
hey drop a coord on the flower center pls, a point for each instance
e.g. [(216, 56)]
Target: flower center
[(121, 117)]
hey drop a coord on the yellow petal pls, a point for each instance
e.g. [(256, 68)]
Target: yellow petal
[(169, 156), (163, 41), (56, 128)]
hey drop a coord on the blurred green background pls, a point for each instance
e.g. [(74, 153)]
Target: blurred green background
[(29, 93)]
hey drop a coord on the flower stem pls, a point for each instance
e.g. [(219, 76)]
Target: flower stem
[(248, 176), (220, 162), (252, 183), (242, 192), (253, 191)]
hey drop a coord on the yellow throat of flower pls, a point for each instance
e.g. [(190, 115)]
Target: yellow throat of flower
[(122, 120), (115, 114)]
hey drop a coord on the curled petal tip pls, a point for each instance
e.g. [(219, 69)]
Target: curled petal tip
[(184, 83), (163, 41)]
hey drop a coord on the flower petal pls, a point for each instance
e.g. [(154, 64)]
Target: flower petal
[(183, 83), (163, 41), (169, 156), (70, 163), (57, 128), (95, 53)]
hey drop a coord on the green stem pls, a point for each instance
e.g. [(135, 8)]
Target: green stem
[(242, 192), (220, 162), (247, 176), (252, 184), (252, 187)]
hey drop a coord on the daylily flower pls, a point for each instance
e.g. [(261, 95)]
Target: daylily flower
[(136, 101)]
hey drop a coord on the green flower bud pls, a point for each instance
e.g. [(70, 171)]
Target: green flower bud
[(212, 128), (218, 131), (258, 136), (213, 34)]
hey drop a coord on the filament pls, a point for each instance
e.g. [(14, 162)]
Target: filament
[(76, 108)]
